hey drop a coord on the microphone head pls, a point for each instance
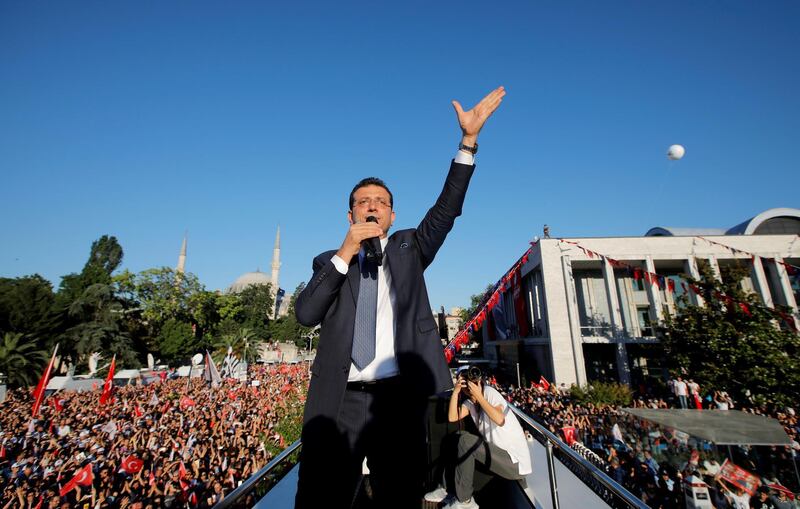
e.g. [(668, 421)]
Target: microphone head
[(372, 219)]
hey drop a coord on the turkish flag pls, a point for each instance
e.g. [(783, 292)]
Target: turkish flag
[(58, 404), (186, 402), (84, 477), (182, 474), (138, 411), (131, 464), (41, 387), (543, 383), (569, 434), (108, 385)]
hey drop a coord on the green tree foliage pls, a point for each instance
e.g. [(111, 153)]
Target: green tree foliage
[(26, 304), (104, 258), (163, 295), (725, 347), (288, 329), (602, 393), (98, 326), (257, 306), (21, 359), (243, 343), (475, 301), (175, 341)]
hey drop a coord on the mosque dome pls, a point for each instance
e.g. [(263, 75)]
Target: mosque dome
[(249, 279)]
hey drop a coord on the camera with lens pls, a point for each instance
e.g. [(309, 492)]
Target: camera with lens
[(471, 373)]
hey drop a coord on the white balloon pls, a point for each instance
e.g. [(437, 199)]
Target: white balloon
[(197, 359), (676, 152)]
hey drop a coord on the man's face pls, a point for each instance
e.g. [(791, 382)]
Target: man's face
[(374, 201)]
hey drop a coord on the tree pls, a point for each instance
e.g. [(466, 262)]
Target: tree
[(21, 359), (288, 329), (105, 257), (475, 302), (175, 341), (727, 346), (243, 343), (26, 304), (256, 308), (162, 294), (97, 326)]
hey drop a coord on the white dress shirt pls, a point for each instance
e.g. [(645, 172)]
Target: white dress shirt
[(384, 364)]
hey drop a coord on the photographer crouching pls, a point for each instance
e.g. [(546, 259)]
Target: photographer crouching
[(501, 447)]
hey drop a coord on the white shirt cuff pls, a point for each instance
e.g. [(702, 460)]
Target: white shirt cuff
[(464, 158), (339, 264)]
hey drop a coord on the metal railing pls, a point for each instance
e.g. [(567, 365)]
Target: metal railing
[(261, 482), (610, 491)]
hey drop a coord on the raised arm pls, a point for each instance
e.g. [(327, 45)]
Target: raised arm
[(439, 220)]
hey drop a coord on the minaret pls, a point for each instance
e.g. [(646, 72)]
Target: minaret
[(276, 269), (182, 257)]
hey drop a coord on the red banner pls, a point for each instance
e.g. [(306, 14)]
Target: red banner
[(740, 477)]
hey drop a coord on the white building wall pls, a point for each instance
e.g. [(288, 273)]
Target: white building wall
[(556, 260)]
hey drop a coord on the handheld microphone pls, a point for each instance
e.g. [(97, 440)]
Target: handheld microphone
[(372, 246)]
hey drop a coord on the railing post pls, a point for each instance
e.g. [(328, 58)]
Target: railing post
[(552, 474)]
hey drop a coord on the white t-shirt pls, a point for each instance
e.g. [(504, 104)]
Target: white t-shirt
[(509, 436), (680, 388)]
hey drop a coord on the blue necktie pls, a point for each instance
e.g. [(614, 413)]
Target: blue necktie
[(366, 310)]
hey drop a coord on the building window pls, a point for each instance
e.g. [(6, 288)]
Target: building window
[(534, 297), (593, 309), (645, 322)]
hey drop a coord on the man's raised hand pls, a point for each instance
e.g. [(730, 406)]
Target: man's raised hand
[(472, 121), (357, 233)]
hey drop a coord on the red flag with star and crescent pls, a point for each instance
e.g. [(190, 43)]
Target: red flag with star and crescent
[(84, 477), (131, 464), (108, 385), (38, 393)]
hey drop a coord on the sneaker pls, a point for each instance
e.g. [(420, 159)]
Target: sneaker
[(436, 495), (457, 504)]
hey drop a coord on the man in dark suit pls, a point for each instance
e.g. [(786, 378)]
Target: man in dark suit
[(379, 356)]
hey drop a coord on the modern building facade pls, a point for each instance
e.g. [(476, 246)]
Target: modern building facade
[(590, 319)]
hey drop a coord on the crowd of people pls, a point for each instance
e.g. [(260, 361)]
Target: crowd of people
[(651, 462), (166, 444), (181, 441)]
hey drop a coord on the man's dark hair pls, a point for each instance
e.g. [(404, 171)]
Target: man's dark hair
[(370, 181)]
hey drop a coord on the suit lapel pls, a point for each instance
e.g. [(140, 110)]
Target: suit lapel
[(354, 278)]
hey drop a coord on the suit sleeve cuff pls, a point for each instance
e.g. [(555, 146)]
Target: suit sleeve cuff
[(464, 158), (341, 267)]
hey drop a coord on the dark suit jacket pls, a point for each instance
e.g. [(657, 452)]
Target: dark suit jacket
[(330, 299)]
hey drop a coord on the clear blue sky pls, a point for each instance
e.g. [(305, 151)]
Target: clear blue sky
[(146, 119)]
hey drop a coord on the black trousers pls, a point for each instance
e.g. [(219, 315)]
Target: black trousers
[(382, 422)]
